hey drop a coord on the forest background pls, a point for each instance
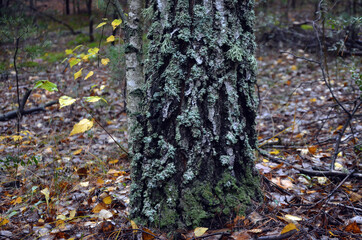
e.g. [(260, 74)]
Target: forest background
[(56, 184)]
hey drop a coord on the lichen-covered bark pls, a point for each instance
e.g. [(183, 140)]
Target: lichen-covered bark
[(193, 162)]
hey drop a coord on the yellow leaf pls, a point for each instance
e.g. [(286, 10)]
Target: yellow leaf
[(85, 57), (134, 226), (199, 231), (68, 51), (274, 152), (339, 127), (105, 61), (78, 74), (110, 38), (73, 61), (113, 161), (294, 68), (76, 152), (66, 101), (338, 166), (72, 214), (293, 218), (265, 160), (93, 51), (107, 200), (89, 75), (312, 100), (46, 193), (116, 22), (61, 217), (101, 24), (288, 228), (82, 126), (3, 221), (18, 200), (100, 181)]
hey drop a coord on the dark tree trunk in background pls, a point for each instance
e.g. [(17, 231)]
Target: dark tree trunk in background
[(67, 7), (89, 9), (193, 146), (78, 6)]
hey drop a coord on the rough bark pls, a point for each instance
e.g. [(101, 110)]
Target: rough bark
[(193, 144)]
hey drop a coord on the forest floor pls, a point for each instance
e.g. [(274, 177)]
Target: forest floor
[(57, 186)]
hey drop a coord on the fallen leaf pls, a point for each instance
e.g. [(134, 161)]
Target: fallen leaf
[(134, 226), (105, 214), (107, 200), (3, 221), (76, 152), (293, 218), (240, 236), (17, 200), (274, 152), (46, 193), (312, 149), (99, 207), (353, 228), (355, 197), (84, 184), (147, 234), (288, 228), (199, 231), (100, 181)]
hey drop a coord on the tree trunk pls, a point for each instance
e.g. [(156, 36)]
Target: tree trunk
[(89, 9), (67, 7), (134, 68), (193, 144)]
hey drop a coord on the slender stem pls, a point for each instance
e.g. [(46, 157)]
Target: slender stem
[(109, 134), (17, 82)]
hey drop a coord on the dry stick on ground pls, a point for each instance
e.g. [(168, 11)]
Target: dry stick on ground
[(278, 237), (21, 112), (334, 190), (13, 114), (329, 173)]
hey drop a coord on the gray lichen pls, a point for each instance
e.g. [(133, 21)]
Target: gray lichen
[(194, 139)]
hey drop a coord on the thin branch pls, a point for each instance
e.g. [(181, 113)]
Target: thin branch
[(335, 189), (338, 142), (108, 133), (17, 82), (278, 237)]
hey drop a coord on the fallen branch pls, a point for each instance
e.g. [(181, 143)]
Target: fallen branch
[(318, 173), (13, 114), (278, 237)]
